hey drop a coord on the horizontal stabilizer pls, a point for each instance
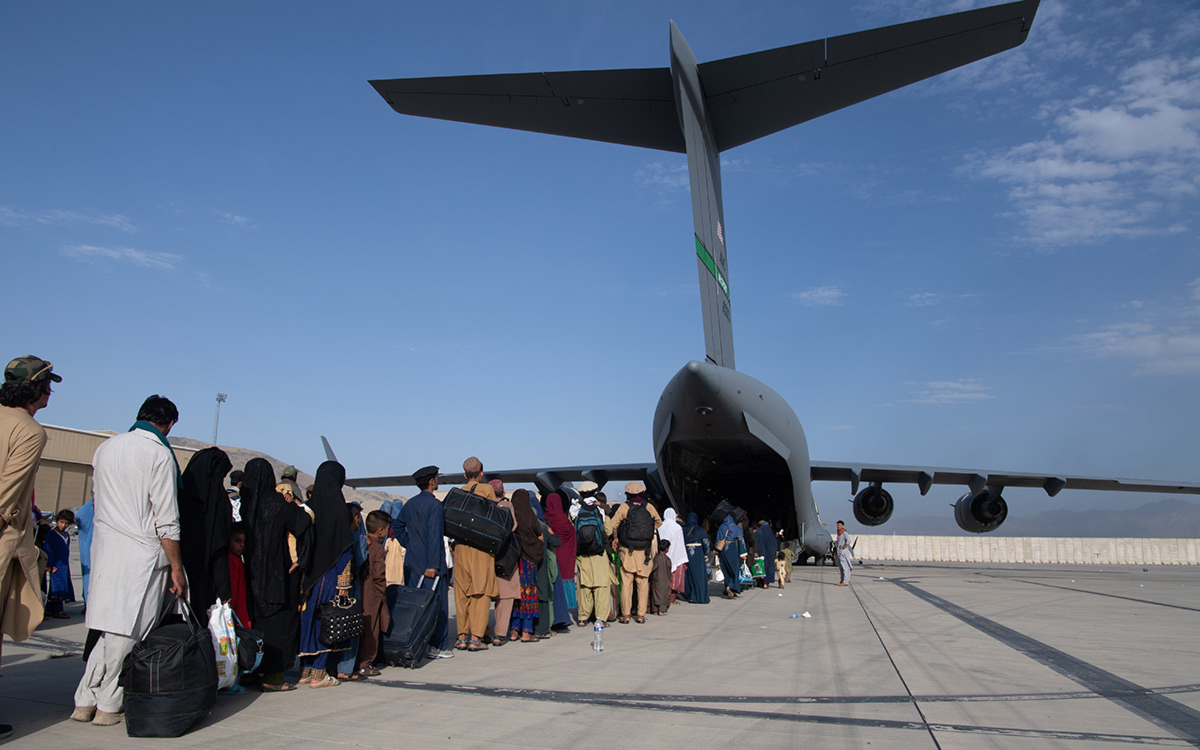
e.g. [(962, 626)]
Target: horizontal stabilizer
[(747, 97), (754, 95), (631, 107)]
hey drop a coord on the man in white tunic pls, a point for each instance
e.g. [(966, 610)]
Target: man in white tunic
[(135, 552), (843, 554)]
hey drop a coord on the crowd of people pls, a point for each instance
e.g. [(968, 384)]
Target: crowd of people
[(277, 554)]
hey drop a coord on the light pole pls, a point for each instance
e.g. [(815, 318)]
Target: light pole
[(217, 420)]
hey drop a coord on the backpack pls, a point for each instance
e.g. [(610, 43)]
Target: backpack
[(637, 530), (589, 532)]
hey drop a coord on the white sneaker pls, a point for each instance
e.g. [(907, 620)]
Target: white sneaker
[(436, 654)]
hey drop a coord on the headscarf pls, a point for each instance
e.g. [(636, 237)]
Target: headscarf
[(528, 528), (265, 513), (331, 531), (672, 532), (729, 529), (560, 524), (205, 519), (693, 532)]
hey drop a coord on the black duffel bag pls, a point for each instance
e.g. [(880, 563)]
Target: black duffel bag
[(508, 556), (170, 676), (726, 508), (476, 521)]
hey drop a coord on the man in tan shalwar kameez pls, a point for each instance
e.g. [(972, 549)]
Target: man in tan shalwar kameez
[(474, 574), (635, 563), (26, 390)]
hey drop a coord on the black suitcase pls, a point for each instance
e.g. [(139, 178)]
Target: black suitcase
[(476, 521), (414, 616), (725, 508), (170, 677)]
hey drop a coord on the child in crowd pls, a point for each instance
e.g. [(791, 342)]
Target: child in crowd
[(58, 564), (783, 567), (237, 572), (376, 617), (660, 580)]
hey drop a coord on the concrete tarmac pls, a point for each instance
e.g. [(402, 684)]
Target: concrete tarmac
[(908, 656)]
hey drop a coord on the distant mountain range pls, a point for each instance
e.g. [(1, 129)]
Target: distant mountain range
[(1171, 517), (369, 499)]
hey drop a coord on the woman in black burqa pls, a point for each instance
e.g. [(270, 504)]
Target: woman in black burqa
[(274, 593), (329, 573), (205, 519)]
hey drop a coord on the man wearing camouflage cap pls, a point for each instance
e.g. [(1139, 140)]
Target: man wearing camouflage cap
[(26, 390)]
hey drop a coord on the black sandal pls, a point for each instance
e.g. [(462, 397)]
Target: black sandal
[(476, 645), (461, 643)]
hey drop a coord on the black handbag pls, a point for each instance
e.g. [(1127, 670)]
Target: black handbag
[(341, 620)]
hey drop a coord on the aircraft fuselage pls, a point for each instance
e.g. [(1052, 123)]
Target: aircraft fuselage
[(719, 434)]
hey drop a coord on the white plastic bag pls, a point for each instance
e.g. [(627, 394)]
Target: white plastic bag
[(220, 626), (717, 574)]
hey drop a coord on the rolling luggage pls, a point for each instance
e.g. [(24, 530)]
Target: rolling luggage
[(414, 616), (476, 521), (170, 677)]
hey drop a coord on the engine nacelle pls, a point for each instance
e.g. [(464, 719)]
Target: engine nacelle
[(981, 512), (873, 506)]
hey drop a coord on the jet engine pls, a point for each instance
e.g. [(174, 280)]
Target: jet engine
[(981, 511), (872, 506)]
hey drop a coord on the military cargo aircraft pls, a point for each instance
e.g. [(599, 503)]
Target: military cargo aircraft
[(719, 433)]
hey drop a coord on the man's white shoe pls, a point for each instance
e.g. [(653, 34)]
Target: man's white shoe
[(436, 654)]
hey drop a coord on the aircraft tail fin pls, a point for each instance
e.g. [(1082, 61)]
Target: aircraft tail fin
[(704, 109), (328, 450)]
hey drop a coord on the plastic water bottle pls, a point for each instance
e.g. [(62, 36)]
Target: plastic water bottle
[(598, 639)]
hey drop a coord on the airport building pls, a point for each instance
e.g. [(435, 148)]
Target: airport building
[(64, 478)]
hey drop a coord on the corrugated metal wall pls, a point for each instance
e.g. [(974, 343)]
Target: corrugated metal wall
[(64, 478)]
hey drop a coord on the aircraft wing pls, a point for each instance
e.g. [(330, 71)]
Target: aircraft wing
[(822, 471), (976, 480), (551, 478), (748, 96)]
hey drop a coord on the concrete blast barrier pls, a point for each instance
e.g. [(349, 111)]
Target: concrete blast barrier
[(1000, 549)]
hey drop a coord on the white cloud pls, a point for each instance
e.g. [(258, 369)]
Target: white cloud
[(15, 217), (1171, 350), (1119, 162), (820, 296), (931, 299), (964, 390), (1158, 343), (232, 218), (661, 175), (142, 258)]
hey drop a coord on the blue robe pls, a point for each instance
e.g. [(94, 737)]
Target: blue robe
[(83, 521), (730, 557), (419, 527), (695, 584), (58, 553), (358, 549), (768, 547)]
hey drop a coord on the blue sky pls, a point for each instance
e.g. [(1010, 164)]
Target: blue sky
[(996, 269)]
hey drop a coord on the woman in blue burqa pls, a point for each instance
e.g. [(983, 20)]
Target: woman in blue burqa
[(695, 585), (329, 574), (730, 555)]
